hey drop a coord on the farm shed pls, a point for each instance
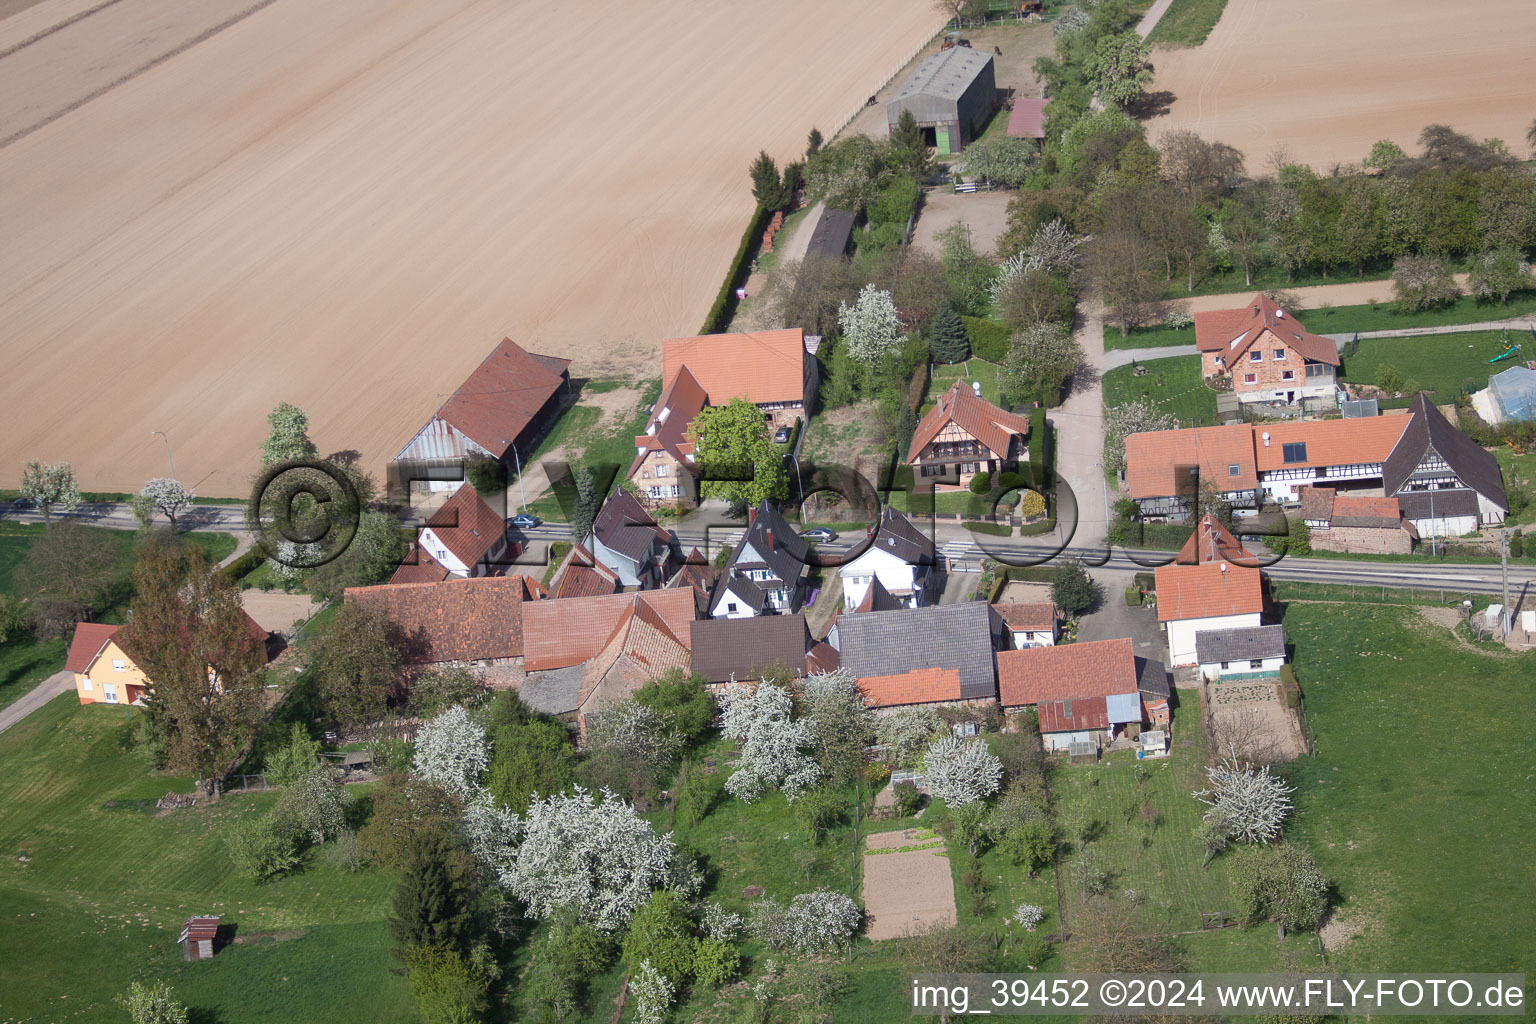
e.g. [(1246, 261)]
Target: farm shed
[(951, 94), (197, 935), (832, 235), (1027, 119)]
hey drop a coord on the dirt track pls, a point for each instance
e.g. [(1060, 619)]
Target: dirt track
[(1327, 79), (345, 205)]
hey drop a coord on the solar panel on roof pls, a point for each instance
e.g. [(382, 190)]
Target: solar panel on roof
[(1295, 452)]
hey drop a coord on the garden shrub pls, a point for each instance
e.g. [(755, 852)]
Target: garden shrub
[(989, 339), (981, 483)]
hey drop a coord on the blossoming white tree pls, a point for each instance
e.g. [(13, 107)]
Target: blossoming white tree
[(773, 744), (720, 924), (1249, 803), (634, 731), (168, 497), (870, 326), (451, 751), (822, 921), (905, 734), (600, 858), (961, 773), (653, 994), (1029, 915)]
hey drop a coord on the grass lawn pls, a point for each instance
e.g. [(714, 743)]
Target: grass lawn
[(577, 432), (1174, 385), (25, 660), (1379, 316), (111, 886), (944, 377), (1442, 363), (1519, 470), (1408, 804), (1187, 22)]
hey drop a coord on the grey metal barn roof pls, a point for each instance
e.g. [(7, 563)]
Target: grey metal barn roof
[(1218, 645), (945, 75)]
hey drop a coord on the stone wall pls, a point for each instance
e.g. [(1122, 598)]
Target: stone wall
[(1361, 540)]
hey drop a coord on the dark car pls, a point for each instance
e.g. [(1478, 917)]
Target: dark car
[(781, 435), (819, 534), (524, 521)]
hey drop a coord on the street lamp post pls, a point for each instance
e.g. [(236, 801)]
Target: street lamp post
[(167, 441), (521, 488), (801, 482)]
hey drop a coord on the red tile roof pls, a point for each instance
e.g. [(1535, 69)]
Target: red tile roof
[(498, 401), (1206, 590), (1027, 119), (641, 648), (822, 657), (467, 526), (419, 567), (1032, 615), (568, 632), (1157, 463), (698, 574), (457, 619), (1232, 332), (1095, 668), (89, 640), (1209, 541), (671, 417), (919, 686), (1329, 442), (761, 366), (578, 575), (978, 417)]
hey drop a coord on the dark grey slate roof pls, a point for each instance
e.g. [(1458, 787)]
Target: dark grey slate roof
[(1447, 502), (1216, 645), (745, 648), (833, 230), (1427, 429), (896, 535), (554, 691), (953, 636), (1152, 679), (780, 548), (624, 525), (744, 589)]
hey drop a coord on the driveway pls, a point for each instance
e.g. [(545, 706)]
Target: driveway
[(1079, 425), (59, 682), (1114, 618)]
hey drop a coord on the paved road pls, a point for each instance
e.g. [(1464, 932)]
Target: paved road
[(1523, 323), (59, 682)]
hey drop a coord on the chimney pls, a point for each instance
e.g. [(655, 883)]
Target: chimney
[(752, 512), (769, 534)]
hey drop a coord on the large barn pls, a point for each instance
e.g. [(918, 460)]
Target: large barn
[(951, 94)]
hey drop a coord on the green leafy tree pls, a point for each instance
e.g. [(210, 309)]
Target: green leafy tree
[(1036, 296), (531, 754), (682, 700), (1002, 160), (813, 143), (433, 901), (1498, 272), (449, 987), (946, 336), (208, 668), (289, 436), (485, 474), (1040, 359), (405, 809), (715, 962), (736, 457), (51, 488), (356, 657), (68, 574), (438, 689), (377, 549), (152, 1003), (564, 957), (1120, 68), (1281, 884), (589, 502), (818, 810), (661, 933), (1384, 156), (13, 618), (1073, 590), (767, 185), (287, 764)]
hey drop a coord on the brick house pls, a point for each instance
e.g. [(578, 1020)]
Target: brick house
[(1268, 354), (775, 370), (1343, 522), (462, 539), (963, 435), (1082, 693)]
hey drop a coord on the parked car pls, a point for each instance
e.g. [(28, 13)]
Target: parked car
[(524, 521), (781, 435), (820, 534)]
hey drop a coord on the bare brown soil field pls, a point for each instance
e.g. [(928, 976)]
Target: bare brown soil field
[(905, 893), (1327, 79), (346, 205), (986, 213)]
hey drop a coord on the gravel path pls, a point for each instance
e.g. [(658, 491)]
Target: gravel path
[(59, 682)]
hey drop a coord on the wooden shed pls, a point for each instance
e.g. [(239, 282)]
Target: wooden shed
[(197, 936)]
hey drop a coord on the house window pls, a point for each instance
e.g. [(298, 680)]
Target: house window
[(1255, 663), (1255, 356), (676, 490), (661, 471), (963, 729), (86, 685), (1287, 374), (1317, 369), (441, 554), (1233, 469), (1250, 378), (730, 607), (1279, 355), (645, 474), (109, 693), (1226, 665), (117, 665)]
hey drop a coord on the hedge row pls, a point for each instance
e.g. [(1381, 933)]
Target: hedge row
[(720, 313), (243, 566), (1039, 445), (989, 339)]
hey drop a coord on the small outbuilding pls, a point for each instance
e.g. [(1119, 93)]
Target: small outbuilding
[(197, 935), (1027, 119), (951, 94), (833, 235)]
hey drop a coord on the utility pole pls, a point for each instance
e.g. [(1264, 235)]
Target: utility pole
[(1507, 616), (167, 441)]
